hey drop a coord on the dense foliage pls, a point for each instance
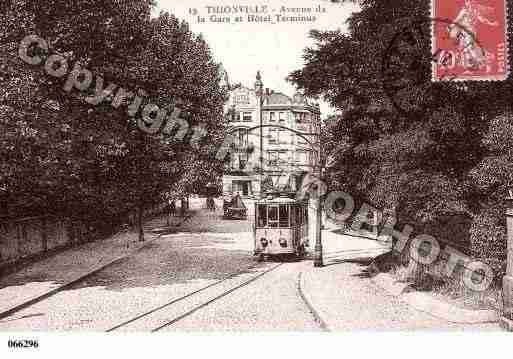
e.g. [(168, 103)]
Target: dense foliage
[(61, 155), (448, 156)]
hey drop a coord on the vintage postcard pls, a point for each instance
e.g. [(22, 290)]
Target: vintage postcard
[(189, 166)]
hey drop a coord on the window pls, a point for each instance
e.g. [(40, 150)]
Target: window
[(284, 158), (239, 162), (284, 216), (262, 215), (283, 116), (241, 187), (273, 216), (233, 116), (247, 117), (277, 158), (273, 157), (273, 135), (302, 117), (241, 99), (277, 216), (278, 136), (241, 136), (302, 158), (282, 136), (272, 117), (243, 160)]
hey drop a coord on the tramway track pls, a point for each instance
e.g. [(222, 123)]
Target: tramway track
[(180, 308)]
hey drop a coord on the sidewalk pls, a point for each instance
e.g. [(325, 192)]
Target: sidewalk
[(344, 295), (339, 247), (45, 277)]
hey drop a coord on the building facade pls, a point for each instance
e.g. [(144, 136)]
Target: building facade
[(269, 151)]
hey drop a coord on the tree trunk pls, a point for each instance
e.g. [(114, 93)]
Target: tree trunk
[(140, 211), (44, 234)]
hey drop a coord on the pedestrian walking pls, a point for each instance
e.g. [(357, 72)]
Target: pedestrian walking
[(211, 206), (172, 208)]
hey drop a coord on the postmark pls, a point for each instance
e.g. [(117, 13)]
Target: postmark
[(474, 46)]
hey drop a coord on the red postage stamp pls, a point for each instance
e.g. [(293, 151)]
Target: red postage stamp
[(469, 40)]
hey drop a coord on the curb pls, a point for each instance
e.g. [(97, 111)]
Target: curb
[(311, 308), (424, 302), (41, 297)]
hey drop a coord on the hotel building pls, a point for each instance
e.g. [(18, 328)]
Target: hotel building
[(268, 153)]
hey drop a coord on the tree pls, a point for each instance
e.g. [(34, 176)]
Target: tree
[(417, 161), (65, 156)]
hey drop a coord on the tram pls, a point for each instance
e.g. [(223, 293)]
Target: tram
[(281, 227)]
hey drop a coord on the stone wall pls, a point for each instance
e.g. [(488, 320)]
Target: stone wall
[(27, 237)]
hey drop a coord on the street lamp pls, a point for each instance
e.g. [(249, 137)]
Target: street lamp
[(259, 91), (318, 240)]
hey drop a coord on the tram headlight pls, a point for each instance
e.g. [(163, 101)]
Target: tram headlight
[(283, 242), (264, 242)]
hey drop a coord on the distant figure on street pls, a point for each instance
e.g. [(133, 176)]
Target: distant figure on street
[(183, 207), (211, 206), (172, 208)]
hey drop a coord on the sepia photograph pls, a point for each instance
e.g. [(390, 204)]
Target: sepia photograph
[(273, 173)]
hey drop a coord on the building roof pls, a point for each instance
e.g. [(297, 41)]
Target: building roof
[(278, 98)]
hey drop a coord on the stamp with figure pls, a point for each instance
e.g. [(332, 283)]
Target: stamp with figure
[(474, 45), (407, 65)]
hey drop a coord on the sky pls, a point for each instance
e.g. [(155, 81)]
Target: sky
[(245, 47)]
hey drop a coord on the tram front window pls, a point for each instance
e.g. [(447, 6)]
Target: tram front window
[(284, 216), (262, 216), (273, 216)]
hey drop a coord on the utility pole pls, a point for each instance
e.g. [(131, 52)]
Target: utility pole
[(259, 90), (317, 203)]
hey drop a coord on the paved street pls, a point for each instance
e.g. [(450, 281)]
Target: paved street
[(236, 292)]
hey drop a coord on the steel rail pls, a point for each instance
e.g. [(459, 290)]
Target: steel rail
[(198, 307)]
